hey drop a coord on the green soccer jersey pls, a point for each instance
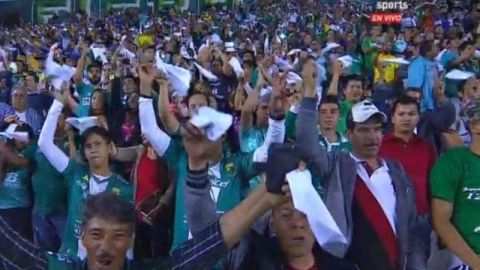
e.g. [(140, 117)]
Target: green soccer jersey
[(15, 187), (251, 139), (49, 187), (84, 91), (229, 178), (345, 107), (455, 178), (79, 178)]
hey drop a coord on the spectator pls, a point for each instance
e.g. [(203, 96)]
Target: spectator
[(23, 113), (454, 196), (417, 156)]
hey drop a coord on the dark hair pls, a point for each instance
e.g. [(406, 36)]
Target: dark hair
[(405, 100), (426, 47), (94, 64), (329, 99), (194, 93), (24, 127), (354, 77), (110, 207), (105, 100), (96, 130), (34, 75)]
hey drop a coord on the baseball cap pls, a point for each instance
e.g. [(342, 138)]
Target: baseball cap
[(364, 110), (471, 111)]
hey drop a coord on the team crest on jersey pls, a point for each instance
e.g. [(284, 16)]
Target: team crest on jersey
[(229, 167), (85, 178), (116, 191)]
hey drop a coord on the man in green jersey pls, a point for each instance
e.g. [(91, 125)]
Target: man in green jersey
[(85, 88), (455, 191)]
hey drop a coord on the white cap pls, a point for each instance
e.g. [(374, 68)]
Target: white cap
[(363, 110)]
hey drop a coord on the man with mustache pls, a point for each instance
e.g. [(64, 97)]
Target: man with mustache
[(417, 156), (371, 199)]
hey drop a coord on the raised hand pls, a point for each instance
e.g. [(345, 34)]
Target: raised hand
[(196, 145)]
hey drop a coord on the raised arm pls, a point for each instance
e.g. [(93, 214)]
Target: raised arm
[(78, 76), (157, 138), (169, 120), (54, 155), (306, 127)]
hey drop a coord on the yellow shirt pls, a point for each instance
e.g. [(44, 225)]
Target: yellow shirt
[(389, 70)]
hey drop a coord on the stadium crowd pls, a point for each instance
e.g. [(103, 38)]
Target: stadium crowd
[(290, 135)]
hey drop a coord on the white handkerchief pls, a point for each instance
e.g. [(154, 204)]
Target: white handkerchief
[(307, 200), (179, 77), (282, 63), (82, 123), (215, 123), (16, 135), (99, 52), (293, 51), (236, 66), (346, 60), (477, 54), (266, 45), (396, 61), (293, 78), (58, 73), (457, 74), (206, 73), (330, 46)]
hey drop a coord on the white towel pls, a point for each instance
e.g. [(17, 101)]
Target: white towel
[(215, 123), (236, 66), (457, 74), (83, 123), (179, 77), (206, 73), (58, 73), (306, 199)]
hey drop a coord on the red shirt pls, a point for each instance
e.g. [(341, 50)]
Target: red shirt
[(417, 157), (151, 176)]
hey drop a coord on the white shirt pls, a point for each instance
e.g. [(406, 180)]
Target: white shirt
[(22, 116), (97, 185), (381, 186)]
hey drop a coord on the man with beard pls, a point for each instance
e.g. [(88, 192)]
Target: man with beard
[(371, 199), (417, 156), (85, 88)]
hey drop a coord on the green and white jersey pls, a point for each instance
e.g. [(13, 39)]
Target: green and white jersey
[(83, 184), (455, 178), (15, 187)]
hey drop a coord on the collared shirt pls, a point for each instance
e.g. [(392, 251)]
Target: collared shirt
[(380, 184), (417, 157), (341, 145)]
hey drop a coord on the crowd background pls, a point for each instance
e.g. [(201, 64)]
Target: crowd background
[(235, 60)]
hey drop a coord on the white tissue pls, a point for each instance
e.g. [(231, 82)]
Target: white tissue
[(307, 200), (82, 123), (215, 123)]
